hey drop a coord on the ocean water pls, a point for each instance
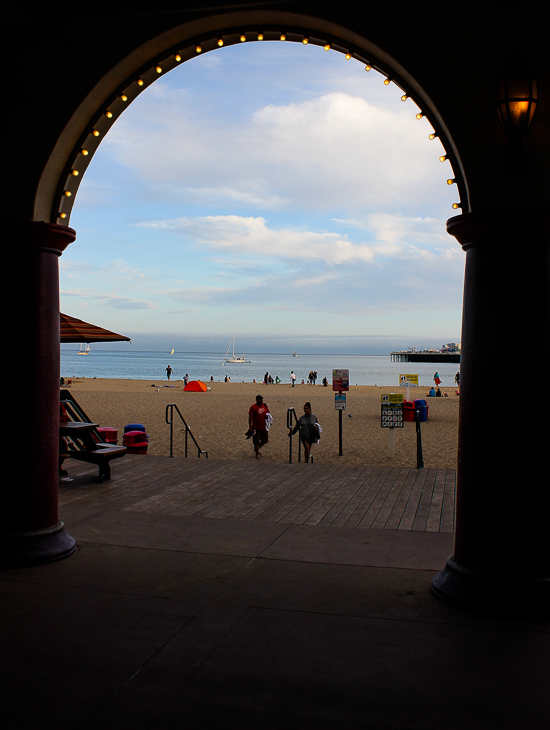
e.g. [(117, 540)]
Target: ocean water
[(363, 369)]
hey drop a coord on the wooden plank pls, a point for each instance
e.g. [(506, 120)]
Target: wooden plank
[(355, 483), (398, 509), (351, 496), (280, 497), (421, 516), (358, 499), (303, 497), (411, 507), (373, 487), (433, 521), (448, 509), (392, 496)]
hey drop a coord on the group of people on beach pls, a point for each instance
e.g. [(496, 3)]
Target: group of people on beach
[(311, 378), (437, 380), (269, 380), (260, 420), (170, 372)]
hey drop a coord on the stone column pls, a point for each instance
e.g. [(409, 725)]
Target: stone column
[(30, 530), (501, 560)]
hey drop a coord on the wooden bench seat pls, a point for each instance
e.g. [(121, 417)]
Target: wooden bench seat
[(101, 456)]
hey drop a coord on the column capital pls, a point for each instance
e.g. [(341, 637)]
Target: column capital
[(502, 228), (39, 235)]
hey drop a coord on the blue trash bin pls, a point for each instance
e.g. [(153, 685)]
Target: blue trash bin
[(422, 407)]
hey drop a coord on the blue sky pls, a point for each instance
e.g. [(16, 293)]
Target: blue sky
[(274, 189)]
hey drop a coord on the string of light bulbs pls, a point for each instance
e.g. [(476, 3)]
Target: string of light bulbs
[(106, 118)]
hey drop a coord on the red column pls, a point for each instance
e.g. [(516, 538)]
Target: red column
[(30, 529), (501, 559)]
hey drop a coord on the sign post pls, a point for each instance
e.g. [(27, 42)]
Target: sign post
[(408, 379), (340, 384), (392, 416)]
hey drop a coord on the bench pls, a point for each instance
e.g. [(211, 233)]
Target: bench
[(85, 442), (101, 455)]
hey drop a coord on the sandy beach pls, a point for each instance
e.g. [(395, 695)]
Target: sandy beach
[(219, 419)]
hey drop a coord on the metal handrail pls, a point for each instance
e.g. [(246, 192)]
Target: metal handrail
[(419, 453), (291, 412), (186, 430)]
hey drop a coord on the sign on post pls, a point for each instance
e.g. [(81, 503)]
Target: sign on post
[(340, 401), (392, 416), (408, 379), (392, 411), (340, 384), (340, 380)]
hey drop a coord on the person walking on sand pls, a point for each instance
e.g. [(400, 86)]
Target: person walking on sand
[(259, 420), (169, 372), (309, 428), (292, 377), (437, 379)]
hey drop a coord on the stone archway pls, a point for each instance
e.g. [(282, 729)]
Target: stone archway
[(91, 122), (502, 551)]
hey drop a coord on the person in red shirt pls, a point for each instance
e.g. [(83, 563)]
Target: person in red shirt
[(257, 424)]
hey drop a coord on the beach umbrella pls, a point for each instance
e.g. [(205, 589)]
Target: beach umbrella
[(196, 386), (75, 330)]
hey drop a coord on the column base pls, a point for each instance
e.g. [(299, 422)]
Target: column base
[(19, 549), (494, 594)]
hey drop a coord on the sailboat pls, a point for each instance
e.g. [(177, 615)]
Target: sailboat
[(84, 349), (172, 351), (233, 358)]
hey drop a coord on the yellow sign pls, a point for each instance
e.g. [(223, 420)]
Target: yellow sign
[(408, 379), (392, 398)]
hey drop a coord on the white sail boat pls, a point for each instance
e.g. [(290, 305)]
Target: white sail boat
[(172, 351), (233, 358), (84, 349)]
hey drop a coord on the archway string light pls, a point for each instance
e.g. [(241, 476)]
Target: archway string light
[(92, 138)]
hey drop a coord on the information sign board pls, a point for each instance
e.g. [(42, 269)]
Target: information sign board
[(340, 401), (408, 379), (392, 411), (340, 380)]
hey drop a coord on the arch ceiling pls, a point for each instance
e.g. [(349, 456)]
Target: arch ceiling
[(61, 186)]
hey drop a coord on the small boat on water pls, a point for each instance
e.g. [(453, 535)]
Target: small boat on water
[(295, 355), (172, 351), (233, 358), (84, 349)]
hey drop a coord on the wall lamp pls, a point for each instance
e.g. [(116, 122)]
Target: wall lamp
[(517, 102)]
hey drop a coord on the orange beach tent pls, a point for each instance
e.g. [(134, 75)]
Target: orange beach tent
[(197, 386)]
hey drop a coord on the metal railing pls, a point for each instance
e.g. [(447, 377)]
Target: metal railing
[(187, 431), (419, 453)]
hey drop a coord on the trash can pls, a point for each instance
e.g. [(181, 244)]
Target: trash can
[(109, 435), (135, 427), (135, 442), (408, 411), (423, 408)]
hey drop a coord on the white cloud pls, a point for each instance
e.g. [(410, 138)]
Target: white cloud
[(107, 300), (322, 271), (275, 190), (335, 152), (394, 236)]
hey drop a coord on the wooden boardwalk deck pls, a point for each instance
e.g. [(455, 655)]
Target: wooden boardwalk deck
[(421, 500)]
